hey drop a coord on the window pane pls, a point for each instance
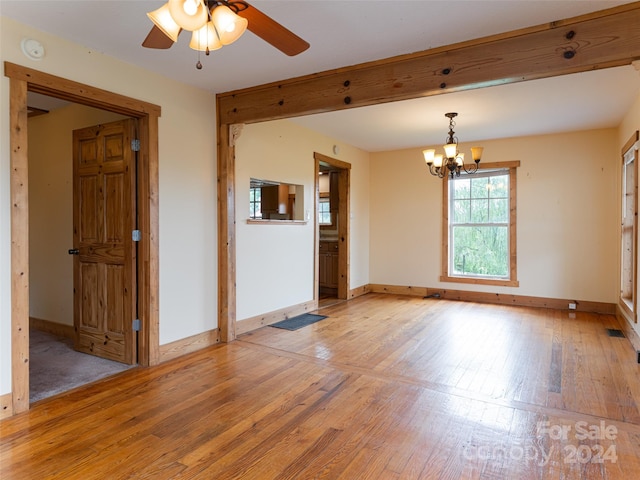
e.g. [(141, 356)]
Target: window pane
[(324, 212), (461, 211), (480, 187), (461, 188), (498, 210), (479, 211), (480, 251), (499, 186)]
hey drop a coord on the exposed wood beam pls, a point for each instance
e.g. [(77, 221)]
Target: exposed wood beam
[(603, 39)]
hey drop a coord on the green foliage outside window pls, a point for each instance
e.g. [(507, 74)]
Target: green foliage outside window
[(479, 225)]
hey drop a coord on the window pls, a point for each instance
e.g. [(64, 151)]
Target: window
[(629, 235), (271, 201), (324, 212), (255, 202), (479, 228)]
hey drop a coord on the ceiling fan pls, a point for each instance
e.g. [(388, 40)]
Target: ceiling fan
[(215, 23)]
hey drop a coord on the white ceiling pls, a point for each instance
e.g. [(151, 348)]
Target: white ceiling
[(347, 32)]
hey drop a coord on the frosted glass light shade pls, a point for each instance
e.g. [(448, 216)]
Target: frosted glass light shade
[(189, 14), (229, 25), (428, 155), (205, 38), (164, 21), (460, 159), (437, 160), (450, 150), (476, 153)]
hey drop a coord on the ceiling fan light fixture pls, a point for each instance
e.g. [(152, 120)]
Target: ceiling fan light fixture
[(205, 39), (189, 14), (164, 21), (229, 26)]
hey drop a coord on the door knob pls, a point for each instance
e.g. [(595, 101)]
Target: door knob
[(74, 251)]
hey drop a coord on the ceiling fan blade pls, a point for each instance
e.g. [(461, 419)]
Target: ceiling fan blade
[(272, 32), (157, 39)]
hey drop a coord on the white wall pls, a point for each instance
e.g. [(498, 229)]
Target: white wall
[(187, 205), (275, 263), (566, 222), (51, 208)]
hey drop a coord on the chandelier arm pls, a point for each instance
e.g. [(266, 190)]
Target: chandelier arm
[(472, 169)]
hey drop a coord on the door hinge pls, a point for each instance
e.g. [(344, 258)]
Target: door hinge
[(136, 236), (136, 325), (135, 145)]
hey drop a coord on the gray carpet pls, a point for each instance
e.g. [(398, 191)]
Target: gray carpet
[(56, 367)]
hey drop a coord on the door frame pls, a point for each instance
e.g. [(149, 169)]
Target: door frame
[(344, 201), (22, 80)]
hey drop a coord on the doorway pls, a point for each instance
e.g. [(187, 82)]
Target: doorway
[(22, 80), (332, 227)]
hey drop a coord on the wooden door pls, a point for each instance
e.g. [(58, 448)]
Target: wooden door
[(103, 220)]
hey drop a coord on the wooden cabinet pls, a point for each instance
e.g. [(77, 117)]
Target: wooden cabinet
[(328, 266), (275, 200)]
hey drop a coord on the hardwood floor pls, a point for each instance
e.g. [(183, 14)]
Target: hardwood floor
[(386, 387)]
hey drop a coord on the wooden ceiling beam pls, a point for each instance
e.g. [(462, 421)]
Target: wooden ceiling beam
[(603, 39)]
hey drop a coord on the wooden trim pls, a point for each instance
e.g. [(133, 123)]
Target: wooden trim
[(334, 162), (58, 329), (6, 405), (603, 39), (480, 281), (149, 248), (359, 291), (226, 232), (253, 323), (190, 344), (344, 229), (630, 143), (627, 328), (19, 184), (498, 298), (498, 165), (259, 221), (23, 79), (58, 87)]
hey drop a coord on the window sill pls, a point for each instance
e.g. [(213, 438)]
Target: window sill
[(258, 221), (480, 281)]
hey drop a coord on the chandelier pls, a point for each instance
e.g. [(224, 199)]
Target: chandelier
[(452, 162), (213, 23)]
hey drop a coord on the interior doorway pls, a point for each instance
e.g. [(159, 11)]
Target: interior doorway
[(332, 227), (73, 151), (23, 80)]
